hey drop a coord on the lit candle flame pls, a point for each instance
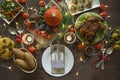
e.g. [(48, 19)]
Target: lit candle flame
[(31, 8), (83, 44), (106, 6), (46, 6), (110, 28), (35, 9), (77, 73), (16, 24), (81, 59), (106, 42), (4, 24), (10, 68), (66, 14)]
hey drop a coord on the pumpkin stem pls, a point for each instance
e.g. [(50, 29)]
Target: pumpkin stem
[(53, 15)]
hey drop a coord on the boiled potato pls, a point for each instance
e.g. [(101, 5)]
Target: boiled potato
[(115, 35), (18, 53), (11, 44), (30, 60), (6, 54), (6, 41), (22, 64), (116, 46), (117, 30)]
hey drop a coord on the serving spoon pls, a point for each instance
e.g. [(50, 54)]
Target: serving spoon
[(12, 31)]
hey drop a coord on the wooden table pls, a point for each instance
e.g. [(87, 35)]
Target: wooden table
[(112, 69)]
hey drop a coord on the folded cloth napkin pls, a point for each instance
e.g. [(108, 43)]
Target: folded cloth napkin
[(57, 59)]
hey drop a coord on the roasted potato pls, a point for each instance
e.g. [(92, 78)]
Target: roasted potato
[(18, 53), (30, 60), (22, 64)]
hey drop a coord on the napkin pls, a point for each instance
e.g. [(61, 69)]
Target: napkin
[(57, 59)]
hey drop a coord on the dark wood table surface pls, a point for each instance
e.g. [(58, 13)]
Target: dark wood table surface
[(112, 69)]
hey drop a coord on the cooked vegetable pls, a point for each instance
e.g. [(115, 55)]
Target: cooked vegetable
[(115, 38), (18, 53), (30, 61), (53, 16), (9, 9), (116, 46), (24, 59), (22, 64), (6, 46)]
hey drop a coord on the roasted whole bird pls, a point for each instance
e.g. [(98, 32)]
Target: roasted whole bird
[(91, 27)]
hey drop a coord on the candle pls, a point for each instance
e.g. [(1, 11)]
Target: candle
[(69, 38), (29, 38)]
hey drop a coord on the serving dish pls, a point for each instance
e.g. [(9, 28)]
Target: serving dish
[(90, 27), (114, 38), (9, 10), (80, 5)]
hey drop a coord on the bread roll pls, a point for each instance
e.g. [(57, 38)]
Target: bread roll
[(18, 53), (22, 64), (30, 60)]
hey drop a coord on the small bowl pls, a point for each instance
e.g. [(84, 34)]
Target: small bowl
[(26, 71), (70, 38), (89, 51)]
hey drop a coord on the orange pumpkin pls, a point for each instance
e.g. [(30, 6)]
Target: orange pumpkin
[(53, 16)]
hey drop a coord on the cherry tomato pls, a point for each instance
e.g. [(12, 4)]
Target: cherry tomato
[(55, 29), (102, 7), (58, 0), (49, 36), (103, 14), (28, 24), (25, 15), (79, 47), (71, 29), (99, 46), (44, 34), (41, 3), (22, 1), (32, 49), (18, 40), (37, 32)]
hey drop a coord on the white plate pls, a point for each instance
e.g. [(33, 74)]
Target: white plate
[(96, 3), (46, 62)]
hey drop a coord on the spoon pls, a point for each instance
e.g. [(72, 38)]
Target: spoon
[(20, 30), (12, 31), (108, 52), (10, 68)]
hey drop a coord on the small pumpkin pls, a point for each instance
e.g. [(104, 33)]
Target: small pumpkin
[(53, 16)]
